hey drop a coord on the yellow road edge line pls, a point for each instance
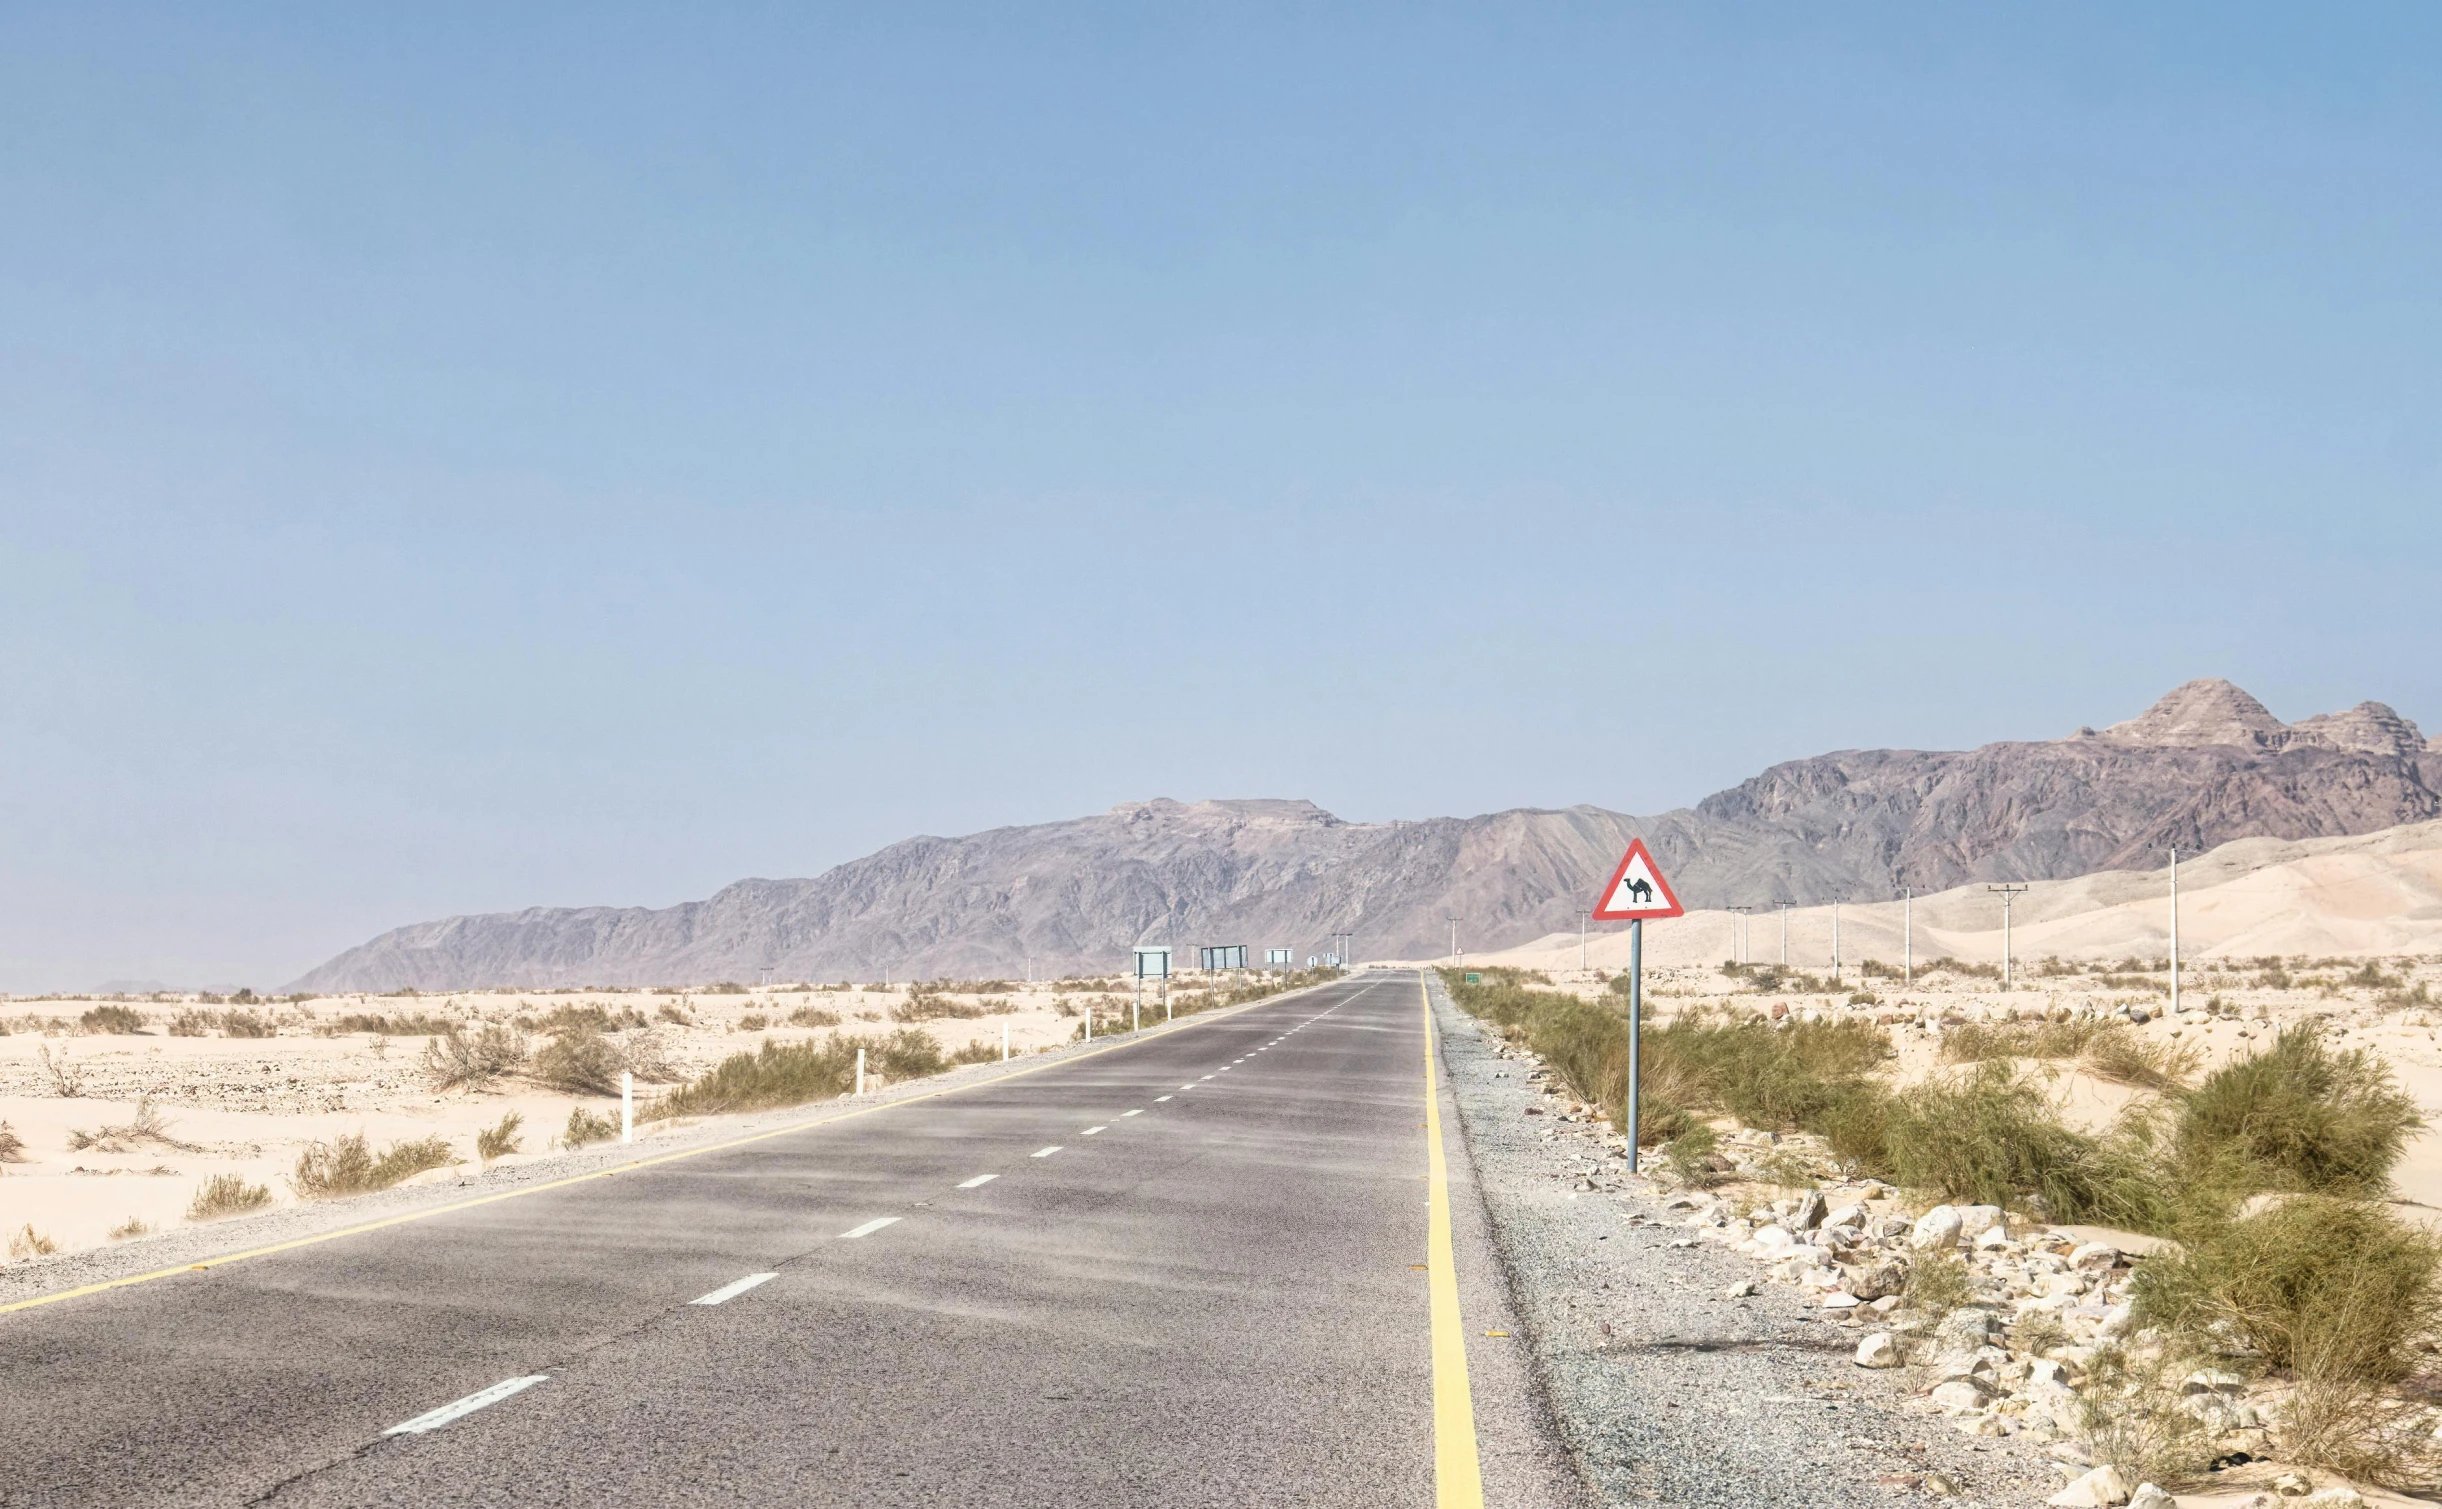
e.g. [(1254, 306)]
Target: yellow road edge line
[(131, 1280), (1458, 1474)]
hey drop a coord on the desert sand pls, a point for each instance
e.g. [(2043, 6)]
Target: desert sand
[(250, 1105)]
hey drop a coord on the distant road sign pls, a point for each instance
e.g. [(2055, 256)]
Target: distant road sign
[(1153, 964), (1637, 890), (1310, 961), (1280, 956), (1226, 956)]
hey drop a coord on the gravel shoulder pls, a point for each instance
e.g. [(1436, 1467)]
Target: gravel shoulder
[(1661, 1389)]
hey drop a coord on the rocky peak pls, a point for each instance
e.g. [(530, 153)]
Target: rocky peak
[(2369, 726), (2205, 711)]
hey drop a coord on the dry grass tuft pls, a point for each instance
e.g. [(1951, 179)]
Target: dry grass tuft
[(814, 1016), (2118, 1054), (586, 1127), (149, 1128), (29, 1243), (2129, 1411), (501, 1140), (66, 1083), (347, 1166), (133, 1226), (12, 1146), (227, 1195)]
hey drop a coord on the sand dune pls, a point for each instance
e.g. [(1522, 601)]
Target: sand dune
[(2371, 894)]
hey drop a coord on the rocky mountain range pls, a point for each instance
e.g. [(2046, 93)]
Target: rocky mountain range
[(2205, 765)]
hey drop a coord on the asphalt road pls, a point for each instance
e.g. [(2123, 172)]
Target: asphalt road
[(1188, 1270)]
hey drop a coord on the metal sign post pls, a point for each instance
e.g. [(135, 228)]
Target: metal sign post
[(1636, 891)]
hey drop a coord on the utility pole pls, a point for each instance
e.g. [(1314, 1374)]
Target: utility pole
[(1453, 943), (1784, 906), (1907, 935), (1583, 920), (2174, 932), (1835, 940), (1738, 926), (2008, 894)]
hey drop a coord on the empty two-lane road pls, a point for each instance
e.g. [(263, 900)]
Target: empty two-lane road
[(1195, 1268)]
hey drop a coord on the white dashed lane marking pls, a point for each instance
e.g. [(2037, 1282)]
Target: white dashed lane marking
[(1139, 1111), (732, 1291), (869, 1228), (978, 1181), (1044, 1152), (1090, 1131), (1160, 1098), (435, 1419)]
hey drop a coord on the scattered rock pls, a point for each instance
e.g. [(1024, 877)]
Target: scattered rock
[(1739, 1290), (1938, 1227), (1878, 1282), (1975, 1220), (2291, 1485), (1809, 1213), (2335, 1498), (2148, 1496), (2094, 1257), (1880, 1350), (2099, 1489), (1943, 1486), (1961, 1394)]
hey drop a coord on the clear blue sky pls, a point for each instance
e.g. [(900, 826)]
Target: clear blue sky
[(466, 457)]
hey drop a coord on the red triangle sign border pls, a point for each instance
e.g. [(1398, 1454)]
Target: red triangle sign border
[(1670, 898)]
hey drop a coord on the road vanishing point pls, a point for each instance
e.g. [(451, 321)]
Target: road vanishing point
[(1214, 1264)]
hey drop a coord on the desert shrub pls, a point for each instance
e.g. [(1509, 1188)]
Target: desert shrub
[(246, 1024), (2299, 1116), (1937, 1284), (226, 1195), (29, 1243), (580, 1061), (476, 1059), (924, 1006), (347, 1165), (978, 1052), (1948, 965), (2129, 1412), (1977, 1043), (2119, 1054), (1991, 1136), (753, 1021), (191, 1023), (776, 1074), (402, 1025), (814, 1016), (2335, 1288), (910, 1053), (675, 1017), (501, 1140), (2370, 976), (122, 1020), (591, 1017), (585, 1127), (133, 1226), (12, 1146), (1690, 1155), (147, 1127)]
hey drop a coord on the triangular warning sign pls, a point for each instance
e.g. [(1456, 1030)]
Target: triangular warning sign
[(1637, 889)]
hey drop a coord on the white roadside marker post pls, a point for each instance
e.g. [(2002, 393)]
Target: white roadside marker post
[(860, 1071), (1136, 1016), (627, 1106), (1004, 1042), (2174, 933)]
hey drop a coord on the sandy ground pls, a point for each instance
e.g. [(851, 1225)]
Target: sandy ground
[(251, 1105)]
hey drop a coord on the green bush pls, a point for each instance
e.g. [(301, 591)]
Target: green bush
[(2331, 1288), (1991, 1136), (2298, 1116), (586, 1127), (226, 1195), (580, 1061)]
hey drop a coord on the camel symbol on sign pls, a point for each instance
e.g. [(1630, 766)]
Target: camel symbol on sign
[(1636, 890)]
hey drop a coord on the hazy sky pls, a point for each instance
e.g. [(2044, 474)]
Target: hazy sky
[(466, 457)]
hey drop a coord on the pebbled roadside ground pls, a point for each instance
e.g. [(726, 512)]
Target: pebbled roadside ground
[(1661, 1388)]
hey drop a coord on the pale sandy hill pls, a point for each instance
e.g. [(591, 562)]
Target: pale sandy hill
[(2371, 894)]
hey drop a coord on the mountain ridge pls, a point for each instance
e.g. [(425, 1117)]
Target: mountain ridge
[(2206, 764)]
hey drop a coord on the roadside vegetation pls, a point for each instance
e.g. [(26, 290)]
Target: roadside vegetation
[(348, 1165), (2267, 1176)]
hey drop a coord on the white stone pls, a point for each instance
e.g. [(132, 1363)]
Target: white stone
[(1938, 1227), (2148, 1496), (1846, 1216), (2334, 1498), (2115, 1322), (2043, 1370), (1992, 1237), (1958, 1394), (2213, 1381), (1975, 1220), (1739, 1290), (1773, 1239), (2099, 1489), (1880, 1350), (1835, 1300)]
